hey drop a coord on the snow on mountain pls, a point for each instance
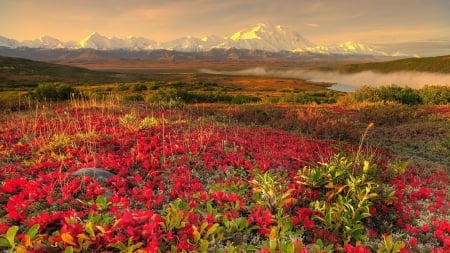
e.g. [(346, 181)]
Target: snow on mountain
[(264, 36), (100, 42), (5, 42), (192, 44), (44, 41), (186, 43), (267, 37), (347, 48)]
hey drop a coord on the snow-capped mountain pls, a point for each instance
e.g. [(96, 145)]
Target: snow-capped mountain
[(187, 43), (5, 42), (44, 41), (100, 42), (267, 37), (264, 36), (347, 48)]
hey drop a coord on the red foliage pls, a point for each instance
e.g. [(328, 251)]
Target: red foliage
[(159, 164)]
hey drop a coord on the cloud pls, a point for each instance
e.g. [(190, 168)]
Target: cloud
[(312, 25), (405, 78)]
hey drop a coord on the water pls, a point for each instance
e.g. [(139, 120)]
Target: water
[(342, 87)]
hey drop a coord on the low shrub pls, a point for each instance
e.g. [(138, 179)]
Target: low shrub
[(53, 92), (137, 87), (389, 113), (428, 95), (435, 95)]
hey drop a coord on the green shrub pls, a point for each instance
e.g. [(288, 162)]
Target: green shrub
[(137, 87), (366, 93), (347, 188), (396, 93), (428, 95), (163, 95), (53, 92), (123, 87), (435, 95), (243, 99)]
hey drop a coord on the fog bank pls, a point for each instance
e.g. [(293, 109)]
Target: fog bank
[(411, 79)]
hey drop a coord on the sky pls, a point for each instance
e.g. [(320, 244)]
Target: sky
[(321, 21)]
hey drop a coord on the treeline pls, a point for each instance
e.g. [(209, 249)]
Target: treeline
[(428, 95)]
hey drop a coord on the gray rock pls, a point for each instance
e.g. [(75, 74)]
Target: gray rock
[(96, 173)]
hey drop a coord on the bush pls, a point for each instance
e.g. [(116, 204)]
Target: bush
[(435, 95), (396, 93), (123, 87), (428, 95), (137, 87), (163, 95), (243, 99), (178, 94), (366, 93), (53, 92)]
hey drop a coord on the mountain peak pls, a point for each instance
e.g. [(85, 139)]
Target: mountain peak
[(347, 48), (263, 36)]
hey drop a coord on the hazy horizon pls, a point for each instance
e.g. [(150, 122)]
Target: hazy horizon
[(411, 79)]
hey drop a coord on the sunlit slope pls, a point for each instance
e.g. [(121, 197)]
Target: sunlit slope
[(23, 72), (439, 64)]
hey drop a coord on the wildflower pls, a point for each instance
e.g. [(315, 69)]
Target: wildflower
[(413, 242)]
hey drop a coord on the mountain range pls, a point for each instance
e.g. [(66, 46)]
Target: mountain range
[(266, 37)]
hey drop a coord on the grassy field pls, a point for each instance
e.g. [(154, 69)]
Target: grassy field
[(225, 178), (213, 163)]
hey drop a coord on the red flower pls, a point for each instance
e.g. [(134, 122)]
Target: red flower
[(413, 242), (373, 233), (355, 249)]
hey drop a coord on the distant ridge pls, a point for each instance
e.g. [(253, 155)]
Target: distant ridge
[(24, 72), (81, 57), (264, 36), (437, 64)]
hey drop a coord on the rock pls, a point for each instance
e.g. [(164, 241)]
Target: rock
[(96, 173)]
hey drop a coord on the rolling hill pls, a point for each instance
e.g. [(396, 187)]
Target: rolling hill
[(438, 64), (18, 72)]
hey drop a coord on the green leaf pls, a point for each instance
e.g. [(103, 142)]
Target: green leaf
[(135, 246), (204, 244), (32, 232), (89, 229), (197, 235), (203, 226), (11, 235), (118, 245), (4, 243), (69, 250), (101, 229), (212, 230), (398, 246)]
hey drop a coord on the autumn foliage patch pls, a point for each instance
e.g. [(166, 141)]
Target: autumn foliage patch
[(183, 184)]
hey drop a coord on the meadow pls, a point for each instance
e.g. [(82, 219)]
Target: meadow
[(213, 163)]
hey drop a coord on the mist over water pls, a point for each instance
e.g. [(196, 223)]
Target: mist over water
[(411, 79)]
